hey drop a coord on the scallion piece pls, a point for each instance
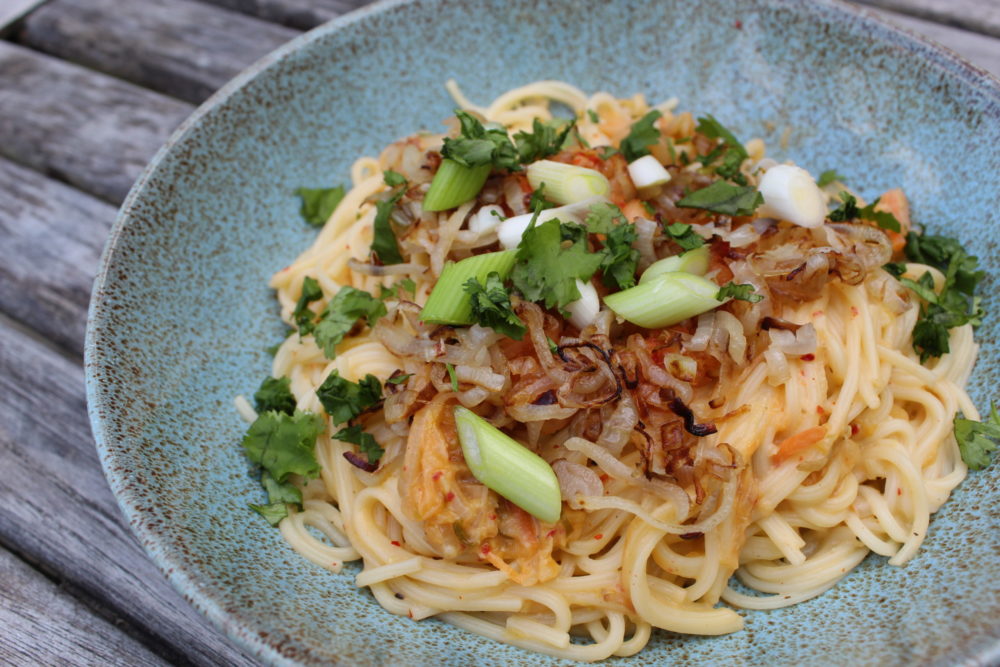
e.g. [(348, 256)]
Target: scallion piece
[(454, 184), (449, 303), (507, 467), (567, 183), (667, 299), (693, 261)]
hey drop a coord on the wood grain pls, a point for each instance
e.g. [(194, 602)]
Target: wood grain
[(81, 127), (301, 14), (52, 240), (976, 15), (183, 48), (58, 511), (45, 626), (980, 50)]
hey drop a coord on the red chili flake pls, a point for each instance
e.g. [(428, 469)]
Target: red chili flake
[(899, 492), (820, 410), (854, 311), (808, 357), (449, 497), (551, 533), (485, 548), (817, 313), (395, 543), (598, 536), (738, 25), (854, 429), (437, 475), (493, 517)]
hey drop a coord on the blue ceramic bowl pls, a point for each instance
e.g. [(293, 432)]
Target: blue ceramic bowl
[(181, 314)]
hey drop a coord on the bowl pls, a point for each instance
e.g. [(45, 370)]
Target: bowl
[(181, 315)]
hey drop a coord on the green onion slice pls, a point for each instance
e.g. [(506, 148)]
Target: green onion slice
[(454, 184), (449, 303), (507, 467), (667, 299), (693, 261), (567, 183)]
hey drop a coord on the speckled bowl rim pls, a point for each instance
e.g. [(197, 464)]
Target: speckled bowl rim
[(161, 550)]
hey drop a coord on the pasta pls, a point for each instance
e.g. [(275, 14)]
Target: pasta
[(829, 438)]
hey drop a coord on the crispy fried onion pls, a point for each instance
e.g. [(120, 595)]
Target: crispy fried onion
[(717, 473), (796, 267)]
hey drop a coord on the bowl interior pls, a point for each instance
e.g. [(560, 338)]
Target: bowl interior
[(182, 316)]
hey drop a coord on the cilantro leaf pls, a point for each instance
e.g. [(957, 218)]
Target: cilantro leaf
[(341, 314), (344, 400), (273, 512), (602, 217), (274, 395), (356, 436), (392, 178), (545, 139), (740, 292), (620, 259), (977, 439), (384, 244), (478, 146), (684, 235), (895, 269), (284, 444), (849, 210), (451, 375), (729, 154), (725, 198), (829, 176), (924, 287), (592, 115), (491, 306), (606, 152), (318, 204), (538, 202), (948, 255), (642, 134), (550, 259), (399, 379), (302, 315)]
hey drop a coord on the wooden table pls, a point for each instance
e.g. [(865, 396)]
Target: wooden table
[(89, 89)]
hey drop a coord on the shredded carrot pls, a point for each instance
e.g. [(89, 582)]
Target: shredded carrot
[(798, 443)]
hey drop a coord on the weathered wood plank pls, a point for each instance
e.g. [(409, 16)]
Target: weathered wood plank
[(43, 625), (975, 15), (180, 47), (57, 511), (91, 130), (301, 14), (52, 239), (981, 50)]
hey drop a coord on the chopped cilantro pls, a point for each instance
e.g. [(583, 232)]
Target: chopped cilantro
[(274, 395), (956, 303), (618, 258), (318, 204), (384, 244), (302, 315), (392, 178), (895, 269), (344, 400), (491, 306), (341, 314), (550, 259), (740, 292), (545, 139), (828, 177), (849, 210), (273, 512), (592, 115), (606, 152), (407, 285), (284, 444), (725, 198), (279, 495), (452, 376), (538, 202), (356, 436), (399, 379), (684, 235), (478, 146), (977, 439), (650, 211), (642, 134), (728, 155)]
